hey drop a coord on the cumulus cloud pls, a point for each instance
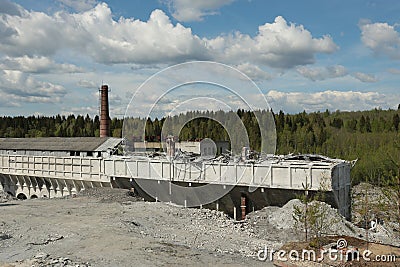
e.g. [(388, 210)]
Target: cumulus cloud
[(21, 87), (381, 38), (322, 73), (87, 84), (188, 10), (254, 72), (364, 77), (96, 34), (278, 45), (37, 64), (330, 72), (293, 102), (92, 111)]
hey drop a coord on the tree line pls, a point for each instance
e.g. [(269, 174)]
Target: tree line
[(371, 136)]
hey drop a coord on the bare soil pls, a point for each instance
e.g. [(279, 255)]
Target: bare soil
[(108, 227), (113, 227)]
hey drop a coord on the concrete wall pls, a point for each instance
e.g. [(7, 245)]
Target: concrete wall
[(276, 175), (57, 176)]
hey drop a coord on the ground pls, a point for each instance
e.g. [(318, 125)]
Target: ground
[(110, 227)]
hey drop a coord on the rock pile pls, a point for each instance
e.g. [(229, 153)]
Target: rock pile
[(4, 197), (110, 194), (279, 224), (42, 259)]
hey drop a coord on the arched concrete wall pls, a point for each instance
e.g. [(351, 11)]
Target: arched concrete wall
[(41, 187)]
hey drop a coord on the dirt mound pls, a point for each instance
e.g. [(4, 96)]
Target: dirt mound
[(107, 194), (279, 224)]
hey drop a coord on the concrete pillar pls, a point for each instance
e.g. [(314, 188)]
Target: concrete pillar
[(1, 183)]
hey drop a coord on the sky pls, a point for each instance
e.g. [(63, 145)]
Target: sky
[(303, 55)]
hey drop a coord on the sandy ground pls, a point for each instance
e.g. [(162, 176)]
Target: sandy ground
[(113, 229), (109, 227)]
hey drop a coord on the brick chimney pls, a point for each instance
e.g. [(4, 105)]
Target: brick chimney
[(104, 113)]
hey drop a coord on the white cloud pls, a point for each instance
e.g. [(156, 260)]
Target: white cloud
[(330, 72), (293, 102), (87, 84), (394, 71), (322, 73), (37, 64), (96, 34), (92, 111), (381, 38), (278, 45), (254, 72), (20, 87), (188, 10), (366, 78)]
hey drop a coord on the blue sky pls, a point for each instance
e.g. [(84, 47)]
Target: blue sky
[(303, 55)]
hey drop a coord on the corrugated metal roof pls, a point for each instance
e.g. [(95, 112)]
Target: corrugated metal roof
[(60, 143)]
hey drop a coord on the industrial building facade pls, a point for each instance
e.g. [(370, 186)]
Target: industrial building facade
[(53, 167)]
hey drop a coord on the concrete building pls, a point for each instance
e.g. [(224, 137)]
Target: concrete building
[(60, 146), (54, 167)]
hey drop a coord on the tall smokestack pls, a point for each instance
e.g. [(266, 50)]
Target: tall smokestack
[(104, 114)]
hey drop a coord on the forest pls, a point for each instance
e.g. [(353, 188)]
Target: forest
[(371, 136)]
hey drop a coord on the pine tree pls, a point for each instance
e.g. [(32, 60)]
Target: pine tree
[(396, 121)]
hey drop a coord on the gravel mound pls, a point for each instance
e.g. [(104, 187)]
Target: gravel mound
[(107, 194), (278, 224)]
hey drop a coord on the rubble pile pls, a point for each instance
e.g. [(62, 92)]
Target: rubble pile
[(381, 209), (107, 194), (42, 259), (279, 224), (201, 229), (4, 197)]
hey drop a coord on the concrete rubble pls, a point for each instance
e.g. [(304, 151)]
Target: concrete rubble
[(44, 260), (4, 197), (279, 224)]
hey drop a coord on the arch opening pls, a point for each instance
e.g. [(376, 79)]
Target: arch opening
[(34, 196), (21, 196)]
